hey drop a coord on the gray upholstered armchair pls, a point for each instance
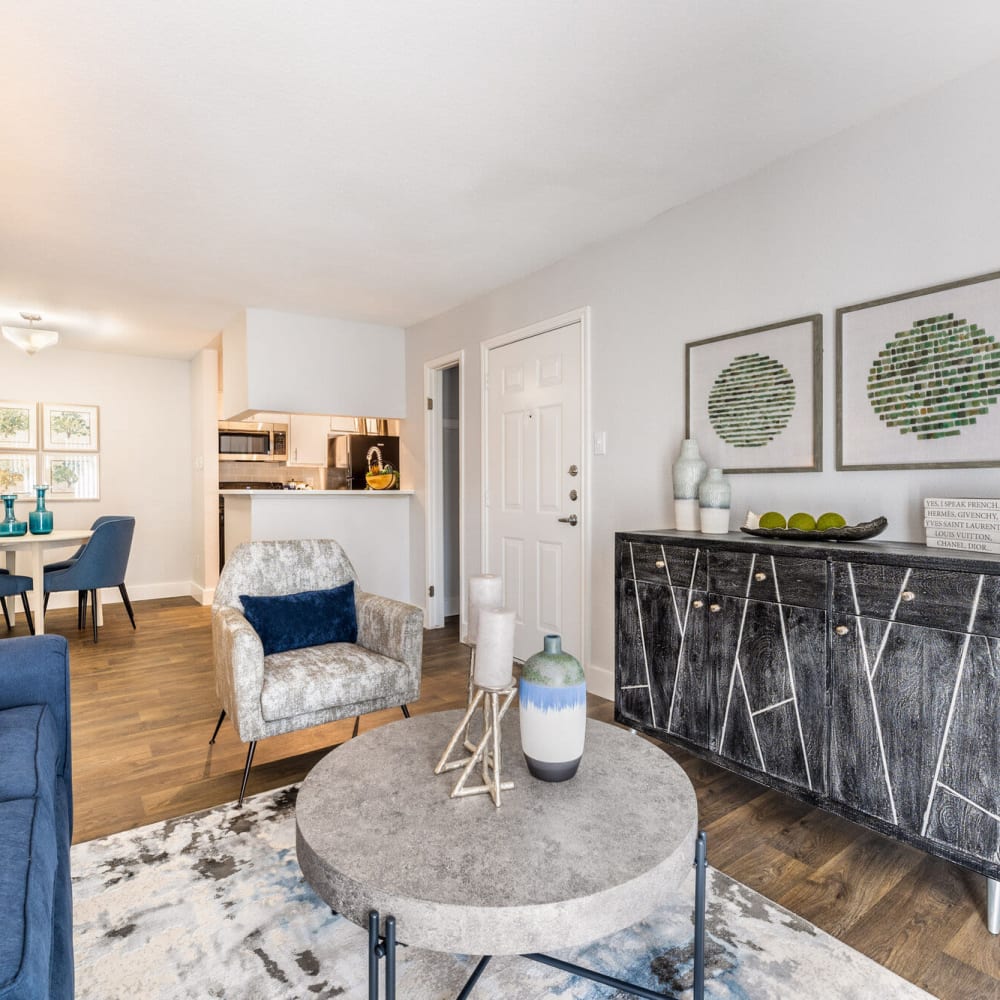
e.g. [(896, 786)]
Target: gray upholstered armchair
[(265, 695)]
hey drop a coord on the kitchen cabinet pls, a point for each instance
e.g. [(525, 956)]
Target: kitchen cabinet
[(307, 436), (861, 677)]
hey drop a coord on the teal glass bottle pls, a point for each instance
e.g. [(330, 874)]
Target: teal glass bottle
[(40, 519), (10, 525)]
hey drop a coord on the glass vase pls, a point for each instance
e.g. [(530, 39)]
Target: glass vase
[(10, 525), (40, 519), (553, 710)]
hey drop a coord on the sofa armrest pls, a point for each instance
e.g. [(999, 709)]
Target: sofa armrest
[(239, 670), (389, 627), (34, 670)]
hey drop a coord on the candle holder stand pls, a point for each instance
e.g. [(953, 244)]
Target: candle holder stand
[(495, 702)]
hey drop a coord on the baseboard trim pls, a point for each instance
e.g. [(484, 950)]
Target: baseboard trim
[(203, 595), (136, 592), (601, 681)]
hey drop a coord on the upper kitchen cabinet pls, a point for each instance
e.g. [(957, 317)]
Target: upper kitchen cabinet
[(307, 439), (289, 363)]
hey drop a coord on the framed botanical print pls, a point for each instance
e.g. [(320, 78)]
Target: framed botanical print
[(69, 427), (18, 473), (73, 476), (755, 397), (918, 378), (18, 425)]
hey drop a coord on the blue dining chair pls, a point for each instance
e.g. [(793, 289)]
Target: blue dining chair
[(10, 586), (81, 597), (102, 563)]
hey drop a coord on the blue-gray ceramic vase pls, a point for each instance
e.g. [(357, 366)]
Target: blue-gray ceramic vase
[(40, 519), (553, 697), (10, 525)]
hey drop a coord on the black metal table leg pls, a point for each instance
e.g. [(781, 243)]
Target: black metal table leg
[(373, 955), (701, 870)]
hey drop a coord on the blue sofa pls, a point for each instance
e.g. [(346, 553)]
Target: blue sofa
[(36, 820)]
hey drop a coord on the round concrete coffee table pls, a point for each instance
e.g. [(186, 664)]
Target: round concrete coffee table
[(557, 865)]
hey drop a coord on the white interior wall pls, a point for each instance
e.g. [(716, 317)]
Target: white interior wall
[(145, 452), (204, 475), (901, 202)]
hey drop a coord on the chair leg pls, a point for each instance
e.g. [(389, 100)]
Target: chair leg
[(27, 613), (246, 771), (218, 726), (81, 609), (128, 603), (357, 723), (45, 602), (93, 611), (406, 711), (6, 612)]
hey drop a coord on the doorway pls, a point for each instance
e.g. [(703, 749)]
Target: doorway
[(445, 494), (536, 479)]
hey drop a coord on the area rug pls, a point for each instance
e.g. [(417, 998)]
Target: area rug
[(214, 905)]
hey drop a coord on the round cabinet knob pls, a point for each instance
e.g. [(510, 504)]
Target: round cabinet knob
[(908, 595), (659, 564), (841, 630), (760, 576), (714, 608), (698, 604)]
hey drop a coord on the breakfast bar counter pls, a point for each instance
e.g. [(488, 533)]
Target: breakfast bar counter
[(372, 525)]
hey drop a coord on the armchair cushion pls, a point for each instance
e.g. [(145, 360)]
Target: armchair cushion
[(310, 618)]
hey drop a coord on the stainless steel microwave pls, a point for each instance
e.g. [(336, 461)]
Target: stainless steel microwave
[(245, 441)]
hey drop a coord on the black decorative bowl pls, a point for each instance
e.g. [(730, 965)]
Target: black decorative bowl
[(849, 533)]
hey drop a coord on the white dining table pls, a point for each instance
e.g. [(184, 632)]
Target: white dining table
[(37, 545)]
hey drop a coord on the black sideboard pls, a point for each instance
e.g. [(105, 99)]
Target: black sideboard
[(862, 677)]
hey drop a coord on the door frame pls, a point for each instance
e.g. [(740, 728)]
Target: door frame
[(433, 463), (581, 316)]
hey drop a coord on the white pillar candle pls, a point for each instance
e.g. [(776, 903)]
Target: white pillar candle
[(485, 591), (495, 648)]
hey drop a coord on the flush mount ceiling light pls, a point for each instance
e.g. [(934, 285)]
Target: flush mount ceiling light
[(30, 339)]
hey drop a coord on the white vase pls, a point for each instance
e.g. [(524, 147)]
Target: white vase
[(714, 498), (688, 472)]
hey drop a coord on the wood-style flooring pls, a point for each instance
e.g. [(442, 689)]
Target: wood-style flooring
[(144, 708)]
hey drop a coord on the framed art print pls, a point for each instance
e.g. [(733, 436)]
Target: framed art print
[(18, 473), (754, 398), (73, 476), (18, 426), (918, 378), (69, 427)]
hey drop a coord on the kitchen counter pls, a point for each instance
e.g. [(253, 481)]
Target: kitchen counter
[(374, 531)]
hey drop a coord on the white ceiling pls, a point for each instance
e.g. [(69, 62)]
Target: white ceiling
[(164, 164)]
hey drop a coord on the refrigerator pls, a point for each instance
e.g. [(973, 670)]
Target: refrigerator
[(363, 461)]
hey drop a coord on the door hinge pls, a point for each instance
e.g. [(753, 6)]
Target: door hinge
[(430, 403), (430, 590)]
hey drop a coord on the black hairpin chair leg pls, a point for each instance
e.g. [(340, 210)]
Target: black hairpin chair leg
[(81, 609), (128, 603), (6, 612), (93, 611), (218, 726), (27, 613), (246, 771)]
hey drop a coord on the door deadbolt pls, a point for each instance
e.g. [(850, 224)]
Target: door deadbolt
[(572, 519), (573, 494), (573, 470)]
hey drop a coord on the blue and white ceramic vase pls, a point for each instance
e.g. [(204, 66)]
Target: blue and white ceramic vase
[(40, 519), (553, 696), (714, 500), (688, 472), (10, 525)]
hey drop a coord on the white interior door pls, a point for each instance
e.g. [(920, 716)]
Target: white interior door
[(534, 485)]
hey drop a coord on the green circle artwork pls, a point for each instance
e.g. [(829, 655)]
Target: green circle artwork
[(751, 401), (936, 378)]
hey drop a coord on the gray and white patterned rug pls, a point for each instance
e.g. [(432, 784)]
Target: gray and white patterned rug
[(214, 905)]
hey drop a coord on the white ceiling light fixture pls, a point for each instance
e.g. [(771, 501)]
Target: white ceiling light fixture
[(30, 339)]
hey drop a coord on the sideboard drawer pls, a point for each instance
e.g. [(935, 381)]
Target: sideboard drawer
[(916, 596), (673, 565), (777, 579)]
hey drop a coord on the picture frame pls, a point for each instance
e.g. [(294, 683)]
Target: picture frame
[(24, 465), (73, 476), (70, 427), (18, 426), (754, 398), (918, 378)]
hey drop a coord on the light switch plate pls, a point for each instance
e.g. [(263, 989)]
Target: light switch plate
[(600, 442)]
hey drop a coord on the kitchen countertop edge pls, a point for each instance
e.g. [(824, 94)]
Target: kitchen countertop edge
[(276, 494)]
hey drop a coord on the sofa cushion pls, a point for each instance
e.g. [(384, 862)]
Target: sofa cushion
[(311, 680), (28, 860), (29, 746), (310, 618)]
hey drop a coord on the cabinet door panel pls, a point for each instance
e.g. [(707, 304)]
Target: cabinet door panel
[(780, 579), (673, 565), (690, 699), (774, 688), (892, 685)]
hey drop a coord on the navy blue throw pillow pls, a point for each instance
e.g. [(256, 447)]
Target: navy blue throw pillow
[(314, 617)]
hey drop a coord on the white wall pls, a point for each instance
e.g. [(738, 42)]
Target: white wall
[(145, 441), (907, 200), (204, 475), (312, 364)]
